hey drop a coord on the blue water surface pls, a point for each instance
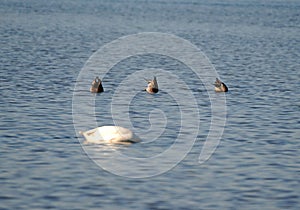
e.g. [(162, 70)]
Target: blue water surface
[(254, 46)]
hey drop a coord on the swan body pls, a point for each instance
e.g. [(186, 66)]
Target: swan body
[(97, 86), (110, 134), (220, 86), (152, 86)]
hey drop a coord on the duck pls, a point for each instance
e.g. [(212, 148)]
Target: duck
[(152, 87), (97, 86), (110, 134), (220, 86)]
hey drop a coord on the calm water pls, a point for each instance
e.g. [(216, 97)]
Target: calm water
[(254, 46)]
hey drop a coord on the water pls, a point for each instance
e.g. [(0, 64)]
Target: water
[(254, 46)]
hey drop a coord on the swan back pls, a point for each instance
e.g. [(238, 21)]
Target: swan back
[(110, 134)]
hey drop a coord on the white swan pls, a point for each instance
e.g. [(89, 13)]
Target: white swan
[(110, 134), (152, 86)]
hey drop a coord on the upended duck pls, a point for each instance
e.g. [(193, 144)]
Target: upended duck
[(111, 135), (152, 87), (97, 86), (220, 86)]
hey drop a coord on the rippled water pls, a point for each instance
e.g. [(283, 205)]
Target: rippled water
[(254, 46)]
